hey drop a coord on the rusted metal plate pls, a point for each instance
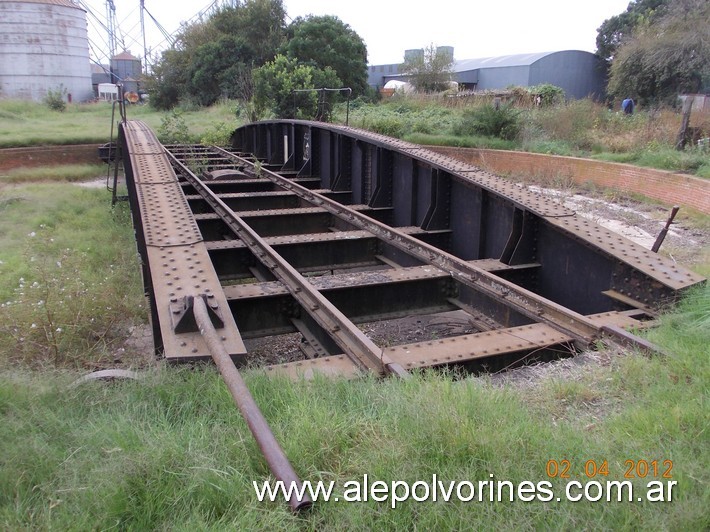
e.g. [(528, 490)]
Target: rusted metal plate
[(176, 256), (472, 346), (345, 280), (644, 260), (455, 350)]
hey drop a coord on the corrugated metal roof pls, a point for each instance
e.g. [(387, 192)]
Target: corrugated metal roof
[(463, 65), (65, 3)]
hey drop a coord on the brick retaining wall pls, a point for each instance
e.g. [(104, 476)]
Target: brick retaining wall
[(48, 156), (667, 187)]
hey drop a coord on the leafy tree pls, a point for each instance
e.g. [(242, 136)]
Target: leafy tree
[(215, 67), (667, 57), (326, 41), (167, 84), (212, 57), (429, 71), (276, 81), (616, 30), (260, 23)]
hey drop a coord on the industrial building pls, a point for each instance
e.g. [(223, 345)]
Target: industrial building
[(580, 74), (125, 69), (44, 47)]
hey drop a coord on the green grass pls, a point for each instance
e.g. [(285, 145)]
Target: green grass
[(68, 274), (691, 160), (171, 452), (30, 124), (481, 142)]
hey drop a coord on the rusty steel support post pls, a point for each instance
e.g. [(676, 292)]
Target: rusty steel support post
[(662, 235), (270, 448)]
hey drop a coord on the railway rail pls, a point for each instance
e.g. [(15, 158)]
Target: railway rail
[(317, 229)]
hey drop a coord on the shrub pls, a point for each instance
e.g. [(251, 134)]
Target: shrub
[(55, 99), (549, 94), (218, 135), (385, 125), (503, 122), (173, 128)]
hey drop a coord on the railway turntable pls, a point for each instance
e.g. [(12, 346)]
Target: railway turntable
[(316, 229)]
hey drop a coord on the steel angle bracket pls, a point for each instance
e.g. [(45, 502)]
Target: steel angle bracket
[(183, 317)]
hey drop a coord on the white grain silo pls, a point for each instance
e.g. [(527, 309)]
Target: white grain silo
[(43, 46)]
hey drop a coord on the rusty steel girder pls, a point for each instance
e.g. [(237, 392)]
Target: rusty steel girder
[(293, 199)]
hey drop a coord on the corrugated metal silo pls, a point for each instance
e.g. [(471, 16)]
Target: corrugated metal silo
[(43, 46)]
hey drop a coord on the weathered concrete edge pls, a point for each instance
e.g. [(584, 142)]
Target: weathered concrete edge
[(667, 187)]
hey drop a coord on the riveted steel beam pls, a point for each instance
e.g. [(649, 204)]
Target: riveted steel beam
[(537, 308), (363, 352)]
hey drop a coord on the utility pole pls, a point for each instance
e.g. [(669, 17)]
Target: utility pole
[(145, 47)]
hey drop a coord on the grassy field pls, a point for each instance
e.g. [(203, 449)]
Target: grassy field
[(577, 128), (29, 124), (171, 452), (69, 278)]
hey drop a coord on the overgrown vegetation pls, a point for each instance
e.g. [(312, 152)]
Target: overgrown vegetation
[(69, 283), (55, 99), (502, 122), (171, 451), (574, 128), (65, 173)]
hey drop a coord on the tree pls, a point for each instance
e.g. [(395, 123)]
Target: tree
[(326, 41), (167, 84), (668, 57), (216, 68), (276, 81), (616, 30), (429, 71), (212, 57)]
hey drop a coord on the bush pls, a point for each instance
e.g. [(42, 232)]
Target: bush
[(503, 122), (549, 94), (55, 99), (385, 125), (218, 135), (173, 129)]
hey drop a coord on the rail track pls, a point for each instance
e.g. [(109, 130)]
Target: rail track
[(316, 229)]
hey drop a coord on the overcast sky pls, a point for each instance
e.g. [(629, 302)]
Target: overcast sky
[(475, 28)]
